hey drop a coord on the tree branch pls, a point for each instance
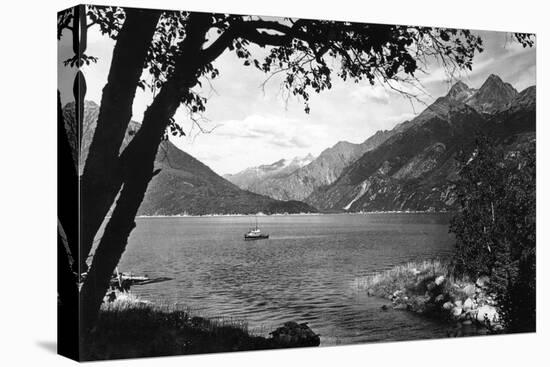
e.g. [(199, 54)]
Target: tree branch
[(219, 45)]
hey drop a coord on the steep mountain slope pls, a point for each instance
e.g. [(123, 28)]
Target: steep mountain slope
[(184, 185), (323, 170), (460, 92), (493, 96), (282, 168), (414, 169), (91, 112), (187, 186), (524, 101)]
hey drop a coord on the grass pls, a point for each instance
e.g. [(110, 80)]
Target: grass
[(132, 328), (404, 276), (423, 287)]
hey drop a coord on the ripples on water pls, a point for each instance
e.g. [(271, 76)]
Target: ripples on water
[(305, 271)]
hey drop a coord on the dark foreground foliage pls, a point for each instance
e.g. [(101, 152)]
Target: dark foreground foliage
[(495, 228), (150, 331)]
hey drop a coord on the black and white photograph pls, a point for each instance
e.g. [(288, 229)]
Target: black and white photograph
[(232, 182)]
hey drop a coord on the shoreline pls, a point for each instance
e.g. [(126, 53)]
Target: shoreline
[(290, 214), (428, 288)]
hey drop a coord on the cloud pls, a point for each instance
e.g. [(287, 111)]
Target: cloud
[(271, 130), (502, 56), (258, 126), (374, 93), (300, 142), (254, 140), (391, 121)]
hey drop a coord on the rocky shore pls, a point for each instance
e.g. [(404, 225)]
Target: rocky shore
[(427, 289)]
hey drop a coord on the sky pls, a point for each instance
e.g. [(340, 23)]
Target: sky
[(247, 125)]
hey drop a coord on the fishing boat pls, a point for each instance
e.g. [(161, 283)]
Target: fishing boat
[(255, 233)]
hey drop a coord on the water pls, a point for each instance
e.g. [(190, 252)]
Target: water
[(306, 271)]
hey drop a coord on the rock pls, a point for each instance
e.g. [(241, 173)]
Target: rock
[(497, 327), (415, 271), (401, 306), (439, 298), (458, 303), (439, 280), (397, 293), (447, 305), (470, 290), (292, 334), (483, 281), (456, 311), (487, 314), (468, 304), (384, 307)]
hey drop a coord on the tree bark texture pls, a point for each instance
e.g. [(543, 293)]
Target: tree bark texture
[(101, 180)]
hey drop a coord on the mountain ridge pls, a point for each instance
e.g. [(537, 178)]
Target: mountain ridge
[(249, 177), (321, 171), (184, 185), (410, 167), (415, 167), (494, 95)]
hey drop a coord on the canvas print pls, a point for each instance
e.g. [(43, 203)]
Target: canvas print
[(244, 182)]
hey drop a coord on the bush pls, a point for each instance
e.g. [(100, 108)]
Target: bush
[(495, 226)]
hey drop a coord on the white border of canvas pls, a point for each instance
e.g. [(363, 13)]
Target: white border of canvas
[(28, 211)]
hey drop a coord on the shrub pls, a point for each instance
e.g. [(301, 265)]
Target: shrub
[(495, 226)]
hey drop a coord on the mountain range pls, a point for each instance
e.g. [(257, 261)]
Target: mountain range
[(184, 185), (414, 169), (253, 176), (187, 186), (412, 166), (299, 183)]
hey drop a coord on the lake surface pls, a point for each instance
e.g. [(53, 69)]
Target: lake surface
[(306, 271)]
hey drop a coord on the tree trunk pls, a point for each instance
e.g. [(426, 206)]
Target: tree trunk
[(112, 245), (101, 178), (67, 241), (67, 299), (138, 171), (67, 184), (137, 166)]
